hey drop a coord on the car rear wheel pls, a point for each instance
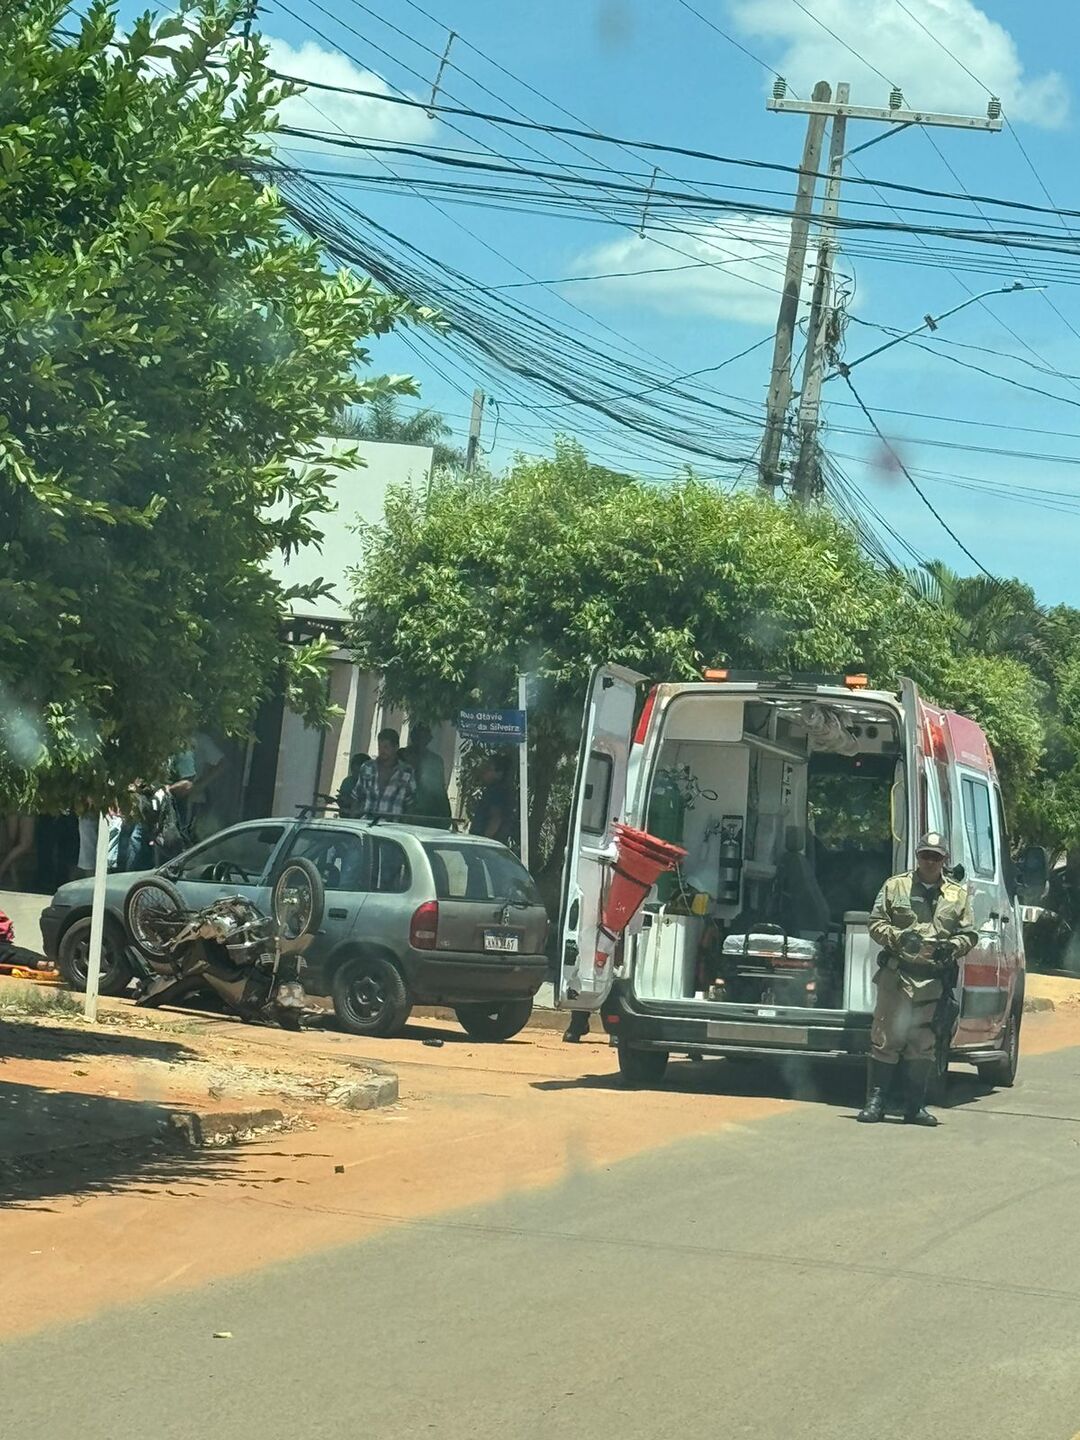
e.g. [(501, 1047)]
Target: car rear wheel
[(641, 1067), (1002, 1073), (494, 1022), (73, 959), (369, 996)]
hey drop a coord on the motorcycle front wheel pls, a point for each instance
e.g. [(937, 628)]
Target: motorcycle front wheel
[(154, 911)]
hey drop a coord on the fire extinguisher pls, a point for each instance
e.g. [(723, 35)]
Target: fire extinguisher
[(731, 859)]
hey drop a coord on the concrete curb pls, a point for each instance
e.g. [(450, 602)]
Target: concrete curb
[(369, 1094), (224, 1127)]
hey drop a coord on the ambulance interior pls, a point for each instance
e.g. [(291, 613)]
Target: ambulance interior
[(791, 811)]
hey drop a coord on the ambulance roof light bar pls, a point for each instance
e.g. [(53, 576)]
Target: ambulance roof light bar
[(854, 681)]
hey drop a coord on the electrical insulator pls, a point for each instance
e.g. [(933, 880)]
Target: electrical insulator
[(993, 110), (779, 89), (896, 98)]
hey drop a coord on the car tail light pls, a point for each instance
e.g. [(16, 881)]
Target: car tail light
[(424, 927)]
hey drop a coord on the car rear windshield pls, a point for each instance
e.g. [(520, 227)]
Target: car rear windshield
[(478, 872)]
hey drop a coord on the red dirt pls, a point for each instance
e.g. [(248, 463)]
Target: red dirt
[(475, 1124)]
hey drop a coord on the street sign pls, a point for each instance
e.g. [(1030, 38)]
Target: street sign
[(493, 727)]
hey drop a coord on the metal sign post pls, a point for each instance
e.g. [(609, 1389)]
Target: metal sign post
[(523, 769), (97, 917), (506, 727)]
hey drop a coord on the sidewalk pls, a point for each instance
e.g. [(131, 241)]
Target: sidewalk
[(95, 1107), (23, 911)]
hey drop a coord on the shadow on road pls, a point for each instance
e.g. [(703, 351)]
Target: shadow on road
[(56, 1141), (821, 1083)]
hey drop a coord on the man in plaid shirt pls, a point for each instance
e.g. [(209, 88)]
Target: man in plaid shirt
[(386, 786)]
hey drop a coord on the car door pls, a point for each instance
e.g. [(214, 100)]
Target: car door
[(235, 862), (585, 970), (982, 998)]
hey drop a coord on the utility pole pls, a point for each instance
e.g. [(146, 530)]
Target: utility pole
[(473, 447), (821, 107), (805, 478), (780, 380)]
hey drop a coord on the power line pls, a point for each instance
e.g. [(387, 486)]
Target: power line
[(913, 483), (600, 137), (769, 69)]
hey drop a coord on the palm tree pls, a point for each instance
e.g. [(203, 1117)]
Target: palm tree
[(990, 615), (381, 420)]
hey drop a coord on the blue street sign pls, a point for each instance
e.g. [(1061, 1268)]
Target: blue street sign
[(493, 727)]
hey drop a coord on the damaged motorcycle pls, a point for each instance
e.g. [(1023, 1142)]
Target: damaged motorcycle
[(252, 962)]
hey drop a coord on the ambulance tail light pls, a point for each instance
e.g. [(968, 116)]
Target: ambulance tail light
[(642, 727)]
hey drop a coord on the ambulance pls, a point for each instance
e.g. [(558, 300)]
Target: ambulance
[(794, 798)]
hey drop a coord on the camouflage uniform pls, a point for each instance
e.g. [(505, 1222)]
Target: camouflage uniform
[(909, 986)]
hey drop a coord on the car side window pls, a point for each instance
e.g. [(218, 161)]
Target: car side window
[(241, 855), (979, 827), (390, 873), (340, 856)]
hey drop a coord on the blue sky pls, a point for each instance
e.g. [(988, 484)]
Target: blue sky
[(657, 71)]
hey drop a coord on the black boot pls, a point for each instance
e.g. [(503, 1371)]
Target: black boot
[(918, 1078), (880, 1080)]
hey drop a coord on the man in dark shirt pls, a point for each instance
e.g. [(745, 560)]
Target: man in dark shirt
[(495, 814)]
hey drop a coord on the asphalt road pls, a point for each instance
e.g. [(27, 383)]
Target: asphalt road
[(799, 1276)]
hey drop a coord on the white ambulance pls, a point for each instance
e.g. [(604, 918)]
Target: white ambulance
[(794, 797)]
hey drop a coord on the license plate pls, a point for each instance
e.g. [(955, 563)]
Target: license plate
[(505, 941)]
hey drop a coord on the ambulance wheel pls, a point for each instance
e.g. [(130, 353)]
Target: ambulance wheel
[(641, 1067), (1002, 1073)]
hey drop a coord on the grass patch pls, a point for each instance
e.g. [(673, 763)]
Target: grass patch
[(18, 997)]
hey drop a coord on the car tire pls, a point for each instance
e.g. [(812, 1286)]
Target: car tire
[(1002, 1073), (641, 1067), (495, 1022), (74, 953), (369, 996)]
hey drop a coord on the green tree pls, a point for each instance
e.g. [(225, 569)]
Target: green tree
[(1013, 670), (382, 420), (560, 563), (169, 352)]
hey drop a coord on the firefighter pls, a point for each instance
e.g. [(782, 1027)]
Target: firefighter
[(924, 924)]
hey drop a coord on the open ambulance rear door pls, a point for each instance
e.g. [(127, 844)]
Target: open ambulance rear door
[(599, 800)]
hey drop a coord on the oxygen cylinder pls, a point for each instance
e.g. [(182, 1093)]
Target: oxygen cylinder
[(731, 859), (667, 818)]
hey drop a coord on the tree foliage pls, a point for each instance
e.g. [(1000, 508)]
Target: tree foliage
[(560, 563), (167, 347)]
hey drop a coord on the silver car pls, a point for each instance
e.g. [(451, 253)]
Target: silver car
[(412, 916)]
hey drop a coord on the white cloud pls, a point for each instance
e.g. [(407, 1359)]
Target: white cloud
[(740, 280), (894, 43), (327, 110)]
